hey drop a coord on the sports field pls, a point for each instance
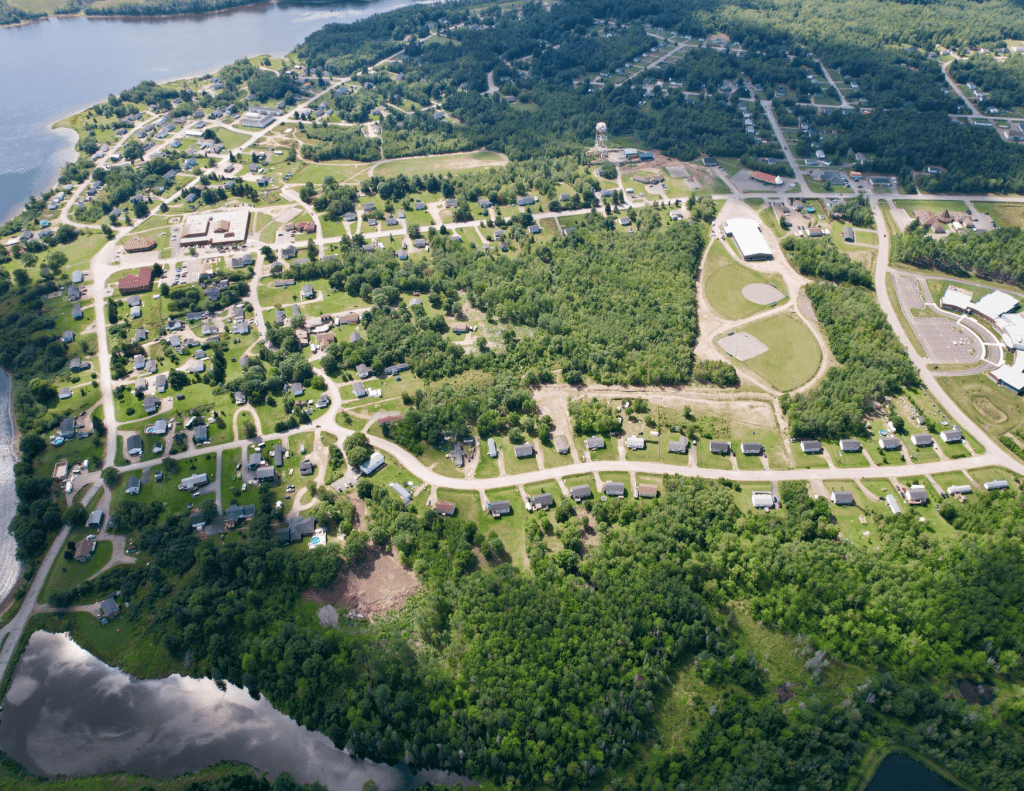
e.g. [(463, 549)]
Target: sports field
[(793, 355)]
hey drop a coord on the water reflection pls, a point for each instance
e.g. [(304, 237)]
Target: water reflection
[(68, 713), (902, 773)]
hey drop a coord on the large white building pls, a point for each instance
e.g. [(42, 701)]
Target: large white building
[(215, 228), (996, 308), (747, 235)]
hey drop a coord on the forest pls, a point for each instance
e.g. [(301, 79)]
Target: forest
[(820, 258), (994, 255), (872, 365), (555, 676)]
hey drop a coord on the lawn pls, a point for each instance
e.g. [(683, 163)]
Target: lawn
[(467, 505), (846, 459), (793, 354), (439, 165), (552, 458), (808, 461), (705, 458), (746, 462), (511, 528), (67, 574), (848, 516), (486, 467), (947, 479)]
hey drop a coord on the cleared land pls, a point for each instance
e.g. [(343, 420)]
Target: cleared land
[(425, 166)]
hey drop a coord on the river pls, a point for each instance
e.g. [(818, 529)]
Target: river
[(53, 68), (68, 713)]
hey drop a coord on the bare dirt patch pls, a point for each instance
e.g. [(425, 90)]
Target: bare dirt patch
[(742, 345), (762, 294), (379, 583)]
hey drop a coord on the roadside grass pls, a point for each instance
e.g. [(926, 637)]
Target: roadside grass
[(977, 288), (793, 355)]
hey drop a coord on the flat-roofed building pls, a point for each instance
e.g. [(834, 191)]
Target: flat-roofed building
[(748, 237)]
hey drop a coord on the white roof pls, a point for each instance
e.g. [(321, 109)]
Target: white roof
[(748, 237), (762, 499), (893, 504), (1011, 375), (956, 298), (995, 304)]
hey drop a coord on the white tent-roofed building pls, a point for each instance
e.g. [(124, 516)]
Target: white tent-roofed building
[(994, 305), (748, 237)]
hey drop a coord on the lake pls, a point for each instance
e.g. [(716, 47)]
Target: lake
[(902, 773), (68, 713), (57, 67)]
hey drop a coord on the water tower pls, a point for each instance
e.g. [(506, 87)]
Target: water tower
[(601, 137)]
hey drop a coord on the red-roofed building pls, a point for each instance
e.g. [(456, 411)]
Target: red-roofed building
[(134, 284), (139, 244), (766, 178), (444, 508)]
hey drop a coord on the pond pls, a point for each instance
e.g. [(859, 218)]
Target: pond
[(68, 713), (902, 773)]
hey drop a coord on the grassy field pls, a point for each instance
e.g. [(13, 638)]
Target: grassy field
[(994, 408), (1005, 215), (705, 458), (725, 279), (985, 474), (425, 166), (910, 205), (793, 354), (511, 529)]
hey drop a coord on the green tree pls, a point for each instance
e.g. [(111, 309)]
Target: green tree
[(110, 476)]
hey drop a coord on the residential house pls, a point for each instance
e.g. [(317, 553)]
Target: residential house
[(614, 489), (236, 514), (594, 443), (849, 446), (68, 428), (239, 398), (889, 443), (359, 390), (305, 467), (581, 492), (720, 447), (916, 494), (297, 389), (524, 451), (810, 446), (751, 448), (996, 485), (95, 520), (84, 550), (646, 491), (375, 462), (922, 440), (561, 444), (403, 494), (681, 445), (951, 435), (444, 508), (635, 443), (133, 446), (192, 482), (499, 508), (134, 485), (841, 498), (266, 475), (151, 404), (762, 500), (362, 371), (544, 501)]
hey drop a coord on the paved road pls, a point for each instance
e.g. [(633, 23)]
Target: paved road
[(14, 629)]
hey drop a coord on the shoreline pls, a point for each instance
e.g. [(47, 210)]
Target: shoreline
[(183, 14)]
